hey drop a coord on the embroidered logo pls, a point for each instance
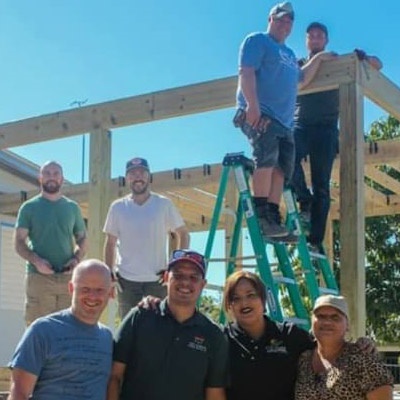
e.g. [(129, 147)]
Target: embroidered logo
[(276, 346), (197, 344)]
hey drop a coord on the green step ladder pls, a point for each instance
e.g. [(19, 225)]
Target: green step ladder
[(279, 278)]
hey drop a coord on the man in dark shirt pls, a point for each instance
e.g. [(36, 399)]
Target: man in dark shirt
[(172, 352), (316, 136)]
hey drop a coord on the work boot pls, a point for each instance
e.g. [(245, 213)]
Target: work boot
[(270, 229), (290, 237)]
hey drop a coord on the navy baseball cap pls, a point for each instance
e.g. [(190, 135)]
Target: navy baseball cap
[(188, 255), (137, 163), (317, 25)]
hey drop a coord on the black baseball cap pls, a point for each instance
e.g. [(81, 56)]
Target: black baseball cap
[(317, 25)]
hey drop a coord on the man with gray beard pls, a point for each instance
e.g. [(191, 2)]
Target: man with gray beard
[(140, 224), (50, 235)]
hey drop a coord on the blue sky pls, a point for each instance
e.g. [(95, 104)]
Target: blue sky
[(56, 52)]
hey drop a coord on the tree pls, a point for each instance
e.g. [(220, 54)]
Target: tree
[(382, 248)]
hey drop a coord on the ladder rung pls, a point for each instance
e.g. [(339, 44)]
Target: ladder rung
[(317, 255), (283, 279), (324, 290), (297, 321), (230, 259)]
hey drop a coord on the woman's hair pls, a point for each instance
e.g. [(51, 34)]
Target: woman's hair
[(234, 279)]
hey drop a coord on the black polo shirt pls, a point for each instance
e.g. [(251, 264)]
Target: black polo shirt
[(265, 369), (317, 108), (168, 360)]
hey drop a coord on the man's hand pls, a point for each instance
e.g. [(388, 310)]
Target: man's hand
[(70, 265), (366, 344), (253, 115), (43, 266), (149, 303)]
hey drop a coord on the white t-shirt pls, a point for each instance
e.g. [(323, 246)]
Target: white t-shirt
[(142, 232)]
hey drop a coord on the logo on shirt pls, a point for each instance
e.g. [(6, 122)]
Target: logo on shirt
[(198, 344), (276, 346), (287, 59)]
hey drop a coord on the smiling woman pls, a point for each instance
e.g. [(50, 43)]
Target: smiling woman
[(337, 369), (263, 353)]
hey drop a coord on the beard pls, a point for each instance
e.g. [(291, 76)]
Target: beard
[(137, 190), (51, 187)]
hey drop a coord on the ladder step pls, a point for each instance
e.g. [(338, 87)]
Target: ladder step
[(313, 254), (324, 290), (283, 279), (297, 321)]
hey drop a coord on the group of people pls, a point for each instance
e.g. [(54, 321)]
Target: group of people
[(170, 350), (282, 128)]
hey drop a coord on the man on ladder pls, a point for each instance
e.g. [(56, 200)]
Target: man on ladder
[(266, 97)]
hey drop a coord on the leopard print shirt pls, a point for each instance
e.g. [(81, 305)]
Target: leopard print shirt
[(353, 375)]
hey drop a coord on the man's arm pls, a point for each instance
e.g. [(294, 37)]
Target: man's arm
[(115, 381), (20, 246), (248, 86), (310, 69), (81, 244), (182, 237), (381, 393), (22, 384), (109, 250), (215, 394)]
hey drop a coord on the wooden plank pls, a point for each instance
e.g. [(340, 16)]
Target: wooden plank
[(381, 90), (352, 263), (184, 100), (99, 194), (382, 179)]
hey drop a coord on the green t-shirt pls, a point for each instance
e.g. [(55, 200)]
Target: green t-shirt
[(52, 227)]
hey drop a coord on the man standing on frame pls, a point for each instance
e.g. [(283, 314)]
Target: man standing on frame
[(316, 135), (268, 80), (141, 223), (50, 235)]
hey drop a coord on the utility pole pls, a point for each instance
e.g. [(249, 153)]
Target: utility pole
[(80, 103)]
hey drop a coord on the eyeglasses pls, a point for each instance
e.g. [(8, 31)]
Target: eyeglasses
[(192, 255), (249, 297), (336, 318)]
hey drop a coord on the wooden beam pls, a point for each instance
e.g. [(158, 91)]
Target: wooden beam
[(99, 194), (184, 100), (382, 179), (352, 263), (381, 90)]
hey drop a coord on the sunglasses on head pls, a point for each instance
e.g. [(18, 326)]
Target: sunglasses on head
[(197, 257)]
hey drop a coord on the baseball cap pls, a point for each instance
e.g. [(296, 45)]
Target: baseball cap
[(188, 255), (281, 9), (331, 300), (317, 25), (137, 163)]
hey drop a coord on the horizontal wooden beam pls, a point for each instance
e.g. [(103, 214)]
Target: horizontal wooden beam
[(184, 100), (381, 90)]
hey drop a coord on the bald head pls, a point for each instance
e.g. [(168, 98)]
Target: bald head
[(90, 287), (91, 266)]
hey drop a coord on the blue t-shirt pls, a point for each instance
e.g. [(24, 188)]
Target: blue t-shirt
[(277, 74), (71, 359)]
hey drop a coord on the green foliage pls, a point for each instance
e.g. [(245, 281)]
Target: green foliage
[(382, 247), (210, 307)]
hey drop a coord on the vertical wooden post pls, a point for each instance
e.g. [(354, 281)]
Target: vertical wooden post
[(352, 215), (99, 193)]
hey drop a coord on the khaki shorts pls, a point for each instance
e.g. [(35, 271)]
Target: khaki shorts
[(45, 294)]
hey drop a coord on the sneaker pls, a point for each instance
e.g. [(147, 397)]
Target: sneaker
[(305, 217), (316, 248), (270, 229)]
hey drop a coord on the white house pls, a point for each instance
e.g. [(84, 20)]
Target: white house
[(16, 175)]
